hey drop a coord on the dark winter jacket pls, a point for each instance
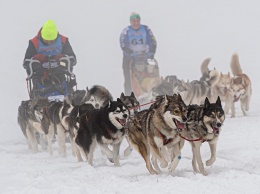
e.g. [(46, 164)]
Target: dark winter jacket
[(32, 50)]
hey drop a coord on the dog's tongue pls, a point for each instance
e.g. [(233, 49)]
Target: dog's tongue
[(122, 121), (215, 130), (179, 125)]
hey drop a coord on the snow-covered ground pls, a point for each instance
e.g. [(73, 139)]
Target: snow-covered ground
[(237, 169), (187, 32)]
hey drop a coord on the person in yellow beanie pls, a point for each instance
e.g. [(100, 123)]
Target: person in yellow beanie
[(48, 45)]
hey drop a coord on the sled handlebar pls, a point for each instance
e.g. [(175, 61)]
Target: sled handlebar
[(66, 58), (31, 61)]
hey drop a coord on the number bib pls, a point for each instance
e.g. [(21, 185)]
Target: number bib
[(137, 40)]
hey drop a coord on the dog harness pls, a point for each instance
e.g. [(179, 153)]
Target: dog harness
[(165, 140)]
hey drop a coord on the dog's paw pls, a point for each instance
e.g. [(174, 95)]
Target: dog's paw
[(128, 151), (204, 173), (111, 160), (152, 171), (164, 164), (117, 164), (210, 161)]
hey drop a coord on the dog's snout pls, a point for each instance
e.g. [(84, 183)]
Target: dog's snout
[(125, 116), (184, 119), (219, 124)]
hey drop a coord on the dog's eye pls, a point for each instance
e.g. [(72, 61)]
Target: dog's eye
[(212, 116), (176, 111), (117, 111)]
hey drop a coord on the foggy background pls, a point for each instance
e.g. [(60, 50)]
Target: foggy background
[(187, 32)]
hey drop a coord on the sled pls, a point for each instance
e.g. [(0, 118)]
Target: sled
[(143, 72), (53, 88)]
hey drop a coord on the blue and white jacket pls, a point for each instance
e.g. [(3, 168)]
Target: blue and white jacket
[(137, 41)]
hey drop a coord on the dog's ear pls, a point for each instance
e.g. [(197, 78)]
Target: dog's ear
[(109, 104), (85, 95), (179, 96), (166, 97), (218, 102), (132, 94), (206, 103), (242, 81), (122, 96), (119, 100)]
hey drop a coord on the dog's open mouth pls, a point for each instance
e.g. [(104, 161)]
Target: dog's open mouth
[(215, 129), (179, 125), (121, 121), (236, 98)]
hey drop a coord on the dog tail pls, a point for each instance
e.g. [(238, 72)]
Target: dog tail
[(214, 77), (235, 65), (204, 66), (22, 111)]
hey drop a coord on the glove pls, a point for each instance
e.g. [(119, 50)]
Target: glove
[(150, 55), (40, 57), (58, 57)]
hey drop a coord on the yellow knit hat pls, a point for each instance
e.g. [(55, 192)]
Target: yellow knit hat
[(49, 31)]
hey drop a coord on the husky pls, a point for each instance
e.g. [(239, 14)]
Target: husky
[(131, 102), (58, 120), (32, 119), (203, 125), (222, 89), (241, 88), (78, 97), (104, 127), (196, 91), (161, 89), (173, 80), (98, 96), (156, 129), (133, 107)]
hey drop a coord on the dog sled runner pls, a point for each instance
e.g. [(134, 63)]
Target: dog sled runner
[(46, 84), (142, 71)]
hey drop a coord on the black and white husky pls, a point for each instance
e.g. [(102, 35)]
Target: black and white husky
[(57, 120), (103, 127), (83, 101)]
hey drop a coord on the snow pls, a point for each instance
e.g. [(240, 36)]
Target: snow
[(187, 32)]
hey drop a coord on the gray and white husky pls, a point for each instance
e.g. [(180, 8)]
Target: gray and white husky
[(203, 125), (98, 96), (196, 91), (133, 106), (31, 120)]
